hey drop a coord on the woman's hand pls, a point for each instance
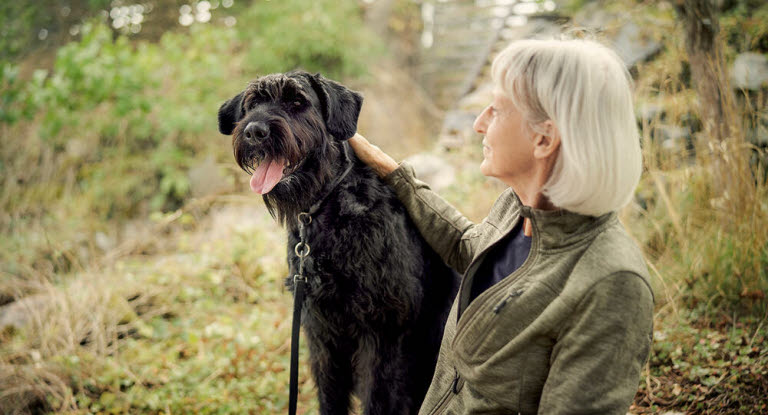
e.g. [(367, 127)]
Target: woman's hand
[(372, 155)]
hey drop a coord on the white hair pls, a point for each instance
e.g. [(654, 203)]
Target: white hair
[(586, 91)]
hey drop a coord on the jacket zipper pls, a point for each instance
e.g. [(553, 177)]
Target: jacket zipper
[(460, 328), (476, 263), (455, 388), (513, 294)]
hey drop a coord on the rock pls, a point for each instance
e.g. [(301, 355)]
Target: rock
[(591, 15), (522, 27), (749, 71), (103, 241), (433, 170), (476, 100), (458, 121), (633, 45), (673, 137), (758, 136), (631, 41), (206, 178), (649, 112), (457, 128), (19, 313)]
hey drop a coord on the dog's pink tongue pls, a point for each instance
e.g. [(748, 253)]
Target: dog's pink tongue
[(266, 176)]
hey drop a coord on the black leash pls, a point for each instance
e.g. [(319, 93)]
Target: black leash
[(300, 281)]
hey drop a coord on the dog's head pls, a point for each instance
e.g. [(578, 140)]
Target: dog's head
[(282, 119)]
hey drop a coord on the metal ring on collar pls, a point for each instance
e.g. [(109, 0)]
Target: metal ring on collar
[(300, 251), (306, 216)]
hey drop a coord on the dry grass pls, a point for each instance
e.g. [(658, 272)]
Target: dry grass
[(704, 223), (186, 312)]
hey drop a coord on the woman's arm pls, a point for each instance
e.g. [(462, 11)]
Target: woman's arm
[(595, 365), (441, 225)]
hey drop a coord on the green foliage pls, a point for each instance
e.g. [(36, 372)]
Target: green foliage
[(706, 368), (703, 223), (197, 320), (94, 71), (127, 119), (744, 28), (92, 147), (315, 36), (16, 20), (201, 326), (20, 22)]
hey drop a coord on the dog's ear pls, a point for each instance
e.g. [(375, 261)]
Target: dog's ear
[(340, 105), (230, 113)]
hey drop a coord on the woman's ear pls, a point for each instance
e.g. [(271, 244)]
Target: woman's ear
[(546, 141)]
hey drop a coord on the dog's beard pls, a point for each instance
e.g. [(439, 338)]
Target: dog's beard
[(271, 160), (291, 168), (298, 191)]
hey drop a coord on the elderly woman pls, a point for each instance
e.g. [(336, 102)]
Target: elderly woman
[(554, 314)]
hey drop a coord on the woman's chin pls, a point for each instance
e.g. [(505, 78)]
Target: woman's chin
[(485, 168)]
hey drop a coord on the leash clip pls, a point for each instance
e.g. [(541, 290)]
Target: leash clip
[(299, 277)]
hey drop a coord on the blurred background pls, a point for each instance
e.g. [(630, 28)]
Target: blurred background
[(139, 275)]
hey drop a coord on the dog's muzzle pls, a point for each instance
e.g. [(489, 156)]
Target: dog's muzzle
[(256, 131)]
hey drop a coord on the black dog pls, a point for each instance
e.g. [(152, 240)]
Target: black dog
[(377, 296)]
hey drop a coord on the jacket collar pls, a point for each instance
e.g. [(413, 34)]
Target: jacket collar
[(554, 229)]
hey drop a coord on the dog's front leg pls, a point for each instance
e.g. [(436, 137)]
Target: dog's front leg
[(389, 394), (332, 371)]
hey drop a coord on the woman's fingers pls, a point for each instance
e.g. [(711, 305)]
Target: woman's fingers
[(372, 155)]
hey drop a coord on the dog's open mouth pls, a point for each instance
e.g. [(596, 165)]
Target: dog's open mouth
[(269, 172)]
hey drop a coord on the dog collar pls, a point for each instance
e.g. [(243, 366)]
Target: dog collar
[(316, 206)]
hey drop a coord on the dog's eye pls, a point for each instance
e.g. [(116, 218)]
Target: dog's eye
[(297, 103)]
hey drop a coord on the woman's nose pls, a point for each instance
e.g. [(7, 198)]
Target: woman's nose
[(479, 124)]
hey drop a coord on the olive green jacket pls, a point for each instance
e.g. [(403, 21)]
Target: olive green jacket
[(566, 333)]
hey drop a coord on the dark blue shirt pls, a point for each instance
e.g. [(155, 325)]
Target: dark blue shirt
[(503, 259)]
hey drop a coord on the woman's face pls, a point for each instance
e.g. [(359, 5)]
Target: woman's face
[(508, 142)]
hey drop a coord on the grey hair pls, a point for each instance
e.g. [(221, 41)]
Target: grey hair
[(586, 91)]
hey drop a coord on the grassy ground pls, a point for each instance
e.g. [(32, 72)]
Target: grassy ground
[(137, 295)]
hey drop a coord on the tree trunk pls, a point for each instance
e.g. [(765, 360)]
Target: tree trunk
[(732, 182), (705, 54)]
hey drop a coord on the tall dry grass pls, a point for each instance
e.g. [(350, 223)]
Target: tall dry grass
[(704, 223)]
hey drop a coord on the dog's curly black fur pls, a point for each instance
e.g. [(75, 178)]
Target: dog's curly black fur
[(378, 296)]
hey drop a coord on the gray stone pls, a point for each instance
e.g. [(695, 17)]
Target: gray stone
[(631, 41), (522, 27), (475, 101), (673, 137), (758, 136), (19, 313), (591, 15), (103, 241), (433, 170), (633, 45), (749, 71), (650, 112), (457, 128)]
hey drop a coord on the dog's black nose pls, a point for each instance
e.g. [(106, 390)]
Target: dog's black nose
[(256, 130)]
